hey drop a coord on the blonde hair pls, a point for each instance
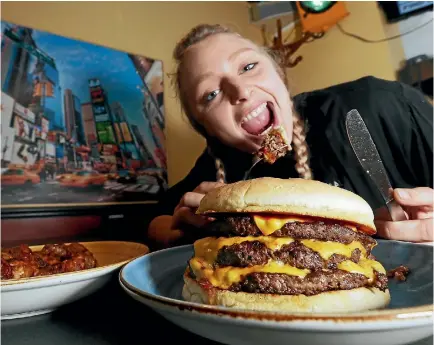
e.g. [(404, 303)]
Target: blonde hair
[(198, 34)]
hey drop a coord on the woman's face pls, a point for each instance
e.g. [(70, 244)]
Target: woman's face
[(234, 91)]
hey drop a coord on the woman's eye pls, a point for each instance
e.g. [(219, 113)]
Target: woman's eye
[(212, 95), (249, 67)]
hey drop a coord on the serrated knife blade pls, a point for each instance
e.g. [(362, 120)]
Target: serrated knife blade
[(369, 158)]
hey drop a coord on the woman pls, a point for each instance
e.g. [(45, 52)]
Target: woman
[(231, 90)]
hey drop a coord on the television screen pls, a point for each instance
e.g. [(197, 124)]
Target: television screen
[(399, 10)]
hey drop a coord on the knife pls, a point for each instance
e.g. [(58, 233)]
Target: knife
[(369, 158)]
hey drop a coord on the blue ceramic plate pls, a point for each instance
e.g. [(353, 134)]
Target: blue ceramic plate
[(157, 280)]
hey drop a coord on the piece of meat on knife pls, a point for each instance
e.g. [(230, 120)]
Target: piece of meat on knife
[(274, 146)]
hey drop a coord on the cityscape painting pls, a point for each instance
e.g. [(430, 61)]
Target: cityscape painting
[(80, 123)]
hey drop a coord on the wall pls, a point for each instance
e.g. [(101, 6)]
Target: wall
[(418, 42), (148, 28), (415, 43), (336, 58), (143, 28)]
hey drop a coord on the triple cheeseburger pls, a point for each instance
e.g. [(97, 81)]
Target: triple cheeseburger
[(286, 245)]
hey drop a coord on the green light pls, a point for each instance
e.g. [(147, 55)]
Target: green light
[(316, 6)]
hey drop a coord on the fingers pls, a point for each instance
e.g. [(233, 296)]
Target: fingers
[(184, 211), (190, 199), (420, 196), (420, 230), (383, 214), (167, 229), (205, 187), (185, 215)]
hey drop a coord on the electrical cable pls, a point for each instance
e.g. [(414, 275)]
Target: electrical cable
[(366, 40)]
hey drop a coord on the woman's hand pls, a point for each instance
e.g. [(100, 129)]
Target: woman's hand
[(168, 229), (184, 213), (159, 230), (418, 203)]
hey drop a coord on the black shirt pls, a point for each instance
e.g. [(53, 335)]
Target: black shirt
[(398, 117)]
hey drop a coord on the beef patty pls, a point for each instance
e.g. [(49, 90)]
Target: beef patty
[(245, 226), (312, 284), (324, 275), (251, 253)]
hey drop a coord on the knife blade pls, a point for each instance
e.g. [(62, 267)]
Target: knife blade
[(369, 158)]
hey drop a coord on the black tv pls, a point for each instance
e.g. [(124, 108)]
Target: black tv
[(399, 10)]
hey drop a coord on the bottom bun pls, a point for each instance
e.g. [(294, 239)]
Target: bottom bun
[(340, 301)]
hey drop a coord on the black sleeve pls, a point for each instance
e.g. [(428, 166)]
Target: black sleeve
[(400, 121), (421, 143), (203, 170)]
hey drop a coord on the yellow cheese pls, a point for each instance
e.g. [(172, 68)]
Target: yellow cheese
[(224, 277), (208, 247), (375, 265), (364, 266), (328, 248), (269, 224)]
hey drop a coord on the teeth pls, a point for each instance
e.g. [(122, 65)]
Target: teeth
[(266, 131), (254, 113)]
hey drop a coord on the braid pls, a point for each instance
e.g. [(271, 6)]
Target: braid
[(301, 150), (221, 172)]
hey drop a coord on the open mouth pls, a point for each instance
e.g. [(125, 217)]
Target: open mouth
[(260, 121)]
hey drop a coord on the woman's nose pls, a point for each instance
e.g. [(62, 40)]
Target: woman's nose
[(238, 92)]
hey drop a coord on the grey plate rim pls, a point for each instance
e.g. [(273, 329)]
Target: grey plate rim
[(423, 312)]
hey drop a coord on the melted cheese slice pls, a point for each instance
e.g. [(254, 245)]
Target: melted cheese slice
[(328, 248), (224, 277), (206, 250), (270, 224), (208, 247), (365, 267)]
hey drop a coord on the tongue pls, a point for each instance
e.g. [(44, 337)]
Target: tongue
[(258, 124)]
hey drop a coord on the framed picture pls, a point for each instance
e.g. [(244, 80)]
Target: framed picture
[(82, 126)]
